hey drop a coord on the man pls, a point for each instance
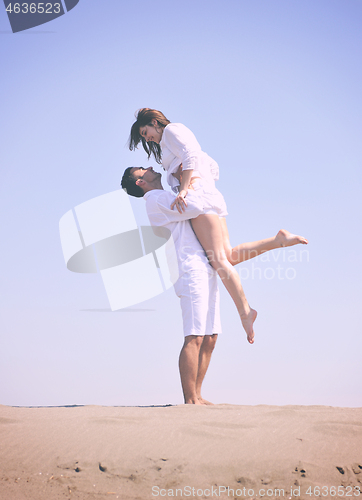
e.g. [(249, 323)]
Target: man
[(197, 282)]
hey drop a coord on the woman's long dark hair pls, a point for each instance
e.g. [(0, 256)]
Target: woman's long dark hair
[(144, 117)]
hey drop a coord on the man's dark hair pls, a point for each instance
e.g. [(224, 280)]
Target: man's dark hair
[(128, 183)]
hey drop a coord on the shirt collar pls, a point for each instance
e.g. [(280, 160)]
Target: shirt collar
[(149, 193)]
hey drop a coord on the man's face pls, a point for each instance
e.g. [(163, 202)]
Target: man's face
[(151, 132), (146, 174)]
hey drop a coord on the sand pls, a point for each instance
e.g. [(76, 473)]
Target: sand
[(221, 451)]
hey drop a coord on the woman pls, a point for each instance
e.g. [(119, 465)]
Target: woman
[(172, 145)]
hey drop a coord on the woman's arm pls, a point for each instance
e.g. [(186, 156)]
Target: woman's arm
[(180, 202), (183, 144)]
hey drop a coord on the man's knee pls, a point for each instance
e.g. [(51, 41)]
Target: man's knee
[(209, 342), (195, 340)]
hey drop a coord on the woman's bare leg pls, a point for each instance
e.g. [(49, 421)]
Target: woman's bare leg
[(246, 251), (208, 230)]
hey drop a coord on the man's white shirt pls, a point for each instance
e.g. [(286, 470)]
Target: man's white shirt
[(190, 254)]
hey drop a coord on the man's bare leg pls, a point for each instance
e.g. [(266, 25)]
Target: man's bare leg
[(189, 364), (246, 251), (206, 350)]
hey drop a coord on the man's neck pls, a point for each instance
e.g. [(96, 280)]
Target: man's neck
[(151, 188)]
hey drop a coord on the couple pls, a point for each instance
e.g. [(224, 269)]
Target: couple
[(197, 209)]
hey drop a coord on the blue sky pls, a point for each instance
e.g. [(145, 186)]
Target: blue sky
[(271, 89)]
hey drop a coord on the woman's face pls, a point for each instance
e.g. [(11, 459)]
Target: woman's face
[(152, 132)]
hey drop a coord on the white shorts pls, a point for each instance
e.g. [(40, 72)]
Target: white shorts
[(212, 199), (200, 304)]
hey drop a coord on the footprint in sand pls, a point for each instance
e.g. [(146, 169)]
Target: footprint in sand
[(246, 482), (156, 463), (266, 480), (70, 466), (347, 478), (102, 468), (300, 471), (357, 468)]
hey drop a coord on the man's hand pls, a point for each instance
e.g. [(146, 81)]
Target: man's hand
[(180, 203)]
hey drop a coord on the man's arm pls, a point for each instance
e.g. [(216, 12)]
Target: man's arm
[(160, 213)]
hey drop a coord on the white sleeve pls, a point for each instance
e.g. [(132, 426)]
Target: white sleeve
[(160, 213), (183, 144)]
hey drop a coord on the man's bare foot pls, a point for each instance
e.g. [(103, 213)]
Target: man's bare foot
[(286, 239), (193, 401), (248, 325), (204, 401)]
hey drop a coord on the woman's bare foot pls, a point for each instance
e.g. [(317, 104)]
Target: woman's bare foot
[(247, 322), (205, 401), (286, 239)]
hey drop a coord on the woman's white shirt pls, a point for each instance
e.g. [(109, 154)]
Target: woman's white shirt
[(179, 145)]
